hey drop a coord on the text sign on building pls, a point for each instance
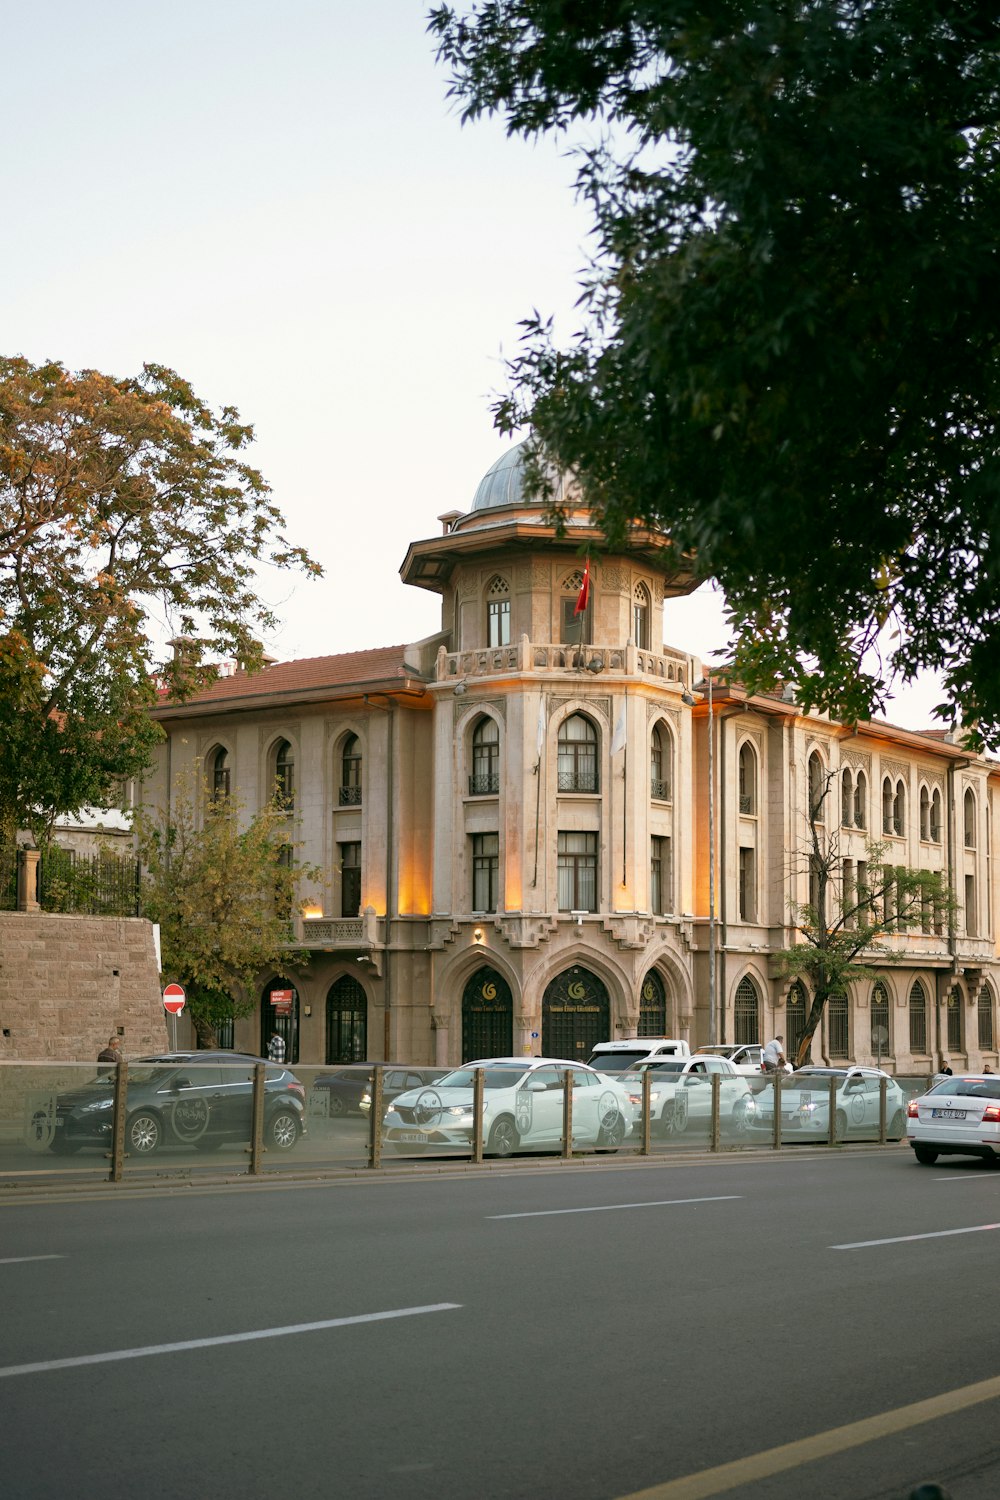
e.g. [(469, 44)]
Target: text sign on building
[(174, 999), (282, 1001)]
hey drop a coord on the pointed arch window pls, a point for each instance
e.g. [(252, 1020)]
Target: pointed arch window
[(498, 612), (576, 629), (746, 1014), (985, 1015), (839, 1022), (861, 801), (880, 1019), (918, 1018), (640, 616), (660, 764), (748, 779), (284, 775), (936, 816), (846, 799), (969, 818), (652, 1006), (955, 1019), (925, 814), (485, 778), (795, 1018), (899, 809), (350, 772), (577, 758), (816, 789), (219, 774), (886, 805)]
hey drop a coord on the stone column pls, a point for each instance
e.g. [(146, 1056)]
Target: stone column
[(27, 880)]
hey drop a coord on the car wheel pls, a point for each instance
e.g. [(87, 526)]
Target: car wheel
[(143, 1133), (504, 1139), (840, 1126), (283, 1130), (337, 1105), (668, 1120), (897, 1127), (612, 1131), (926, 1155)]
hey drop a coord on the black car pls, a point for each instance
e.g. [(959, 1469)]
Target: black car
[(198, 1099), (348, 1088)]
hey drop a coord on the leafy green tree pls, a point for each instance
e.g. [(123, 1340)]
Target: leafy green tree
[(839, 931), (125, 506), (223, 889), (788, 357)]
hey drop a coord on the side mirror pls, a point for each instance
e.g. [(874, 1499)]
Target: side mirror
[(536, 1087)]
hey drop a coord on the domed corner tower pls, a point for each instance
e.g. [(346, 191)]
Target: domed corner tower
[(506, 577)]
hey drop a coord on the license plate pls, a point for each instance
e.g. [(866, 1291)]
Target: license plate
[(414, 1137), (947, 1114)]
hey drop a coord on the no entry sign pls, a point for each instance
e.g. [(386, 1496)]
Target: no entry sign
[(173, 999)]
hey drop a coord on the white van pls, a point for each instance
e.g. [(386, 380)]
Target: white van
[(620, 1057)]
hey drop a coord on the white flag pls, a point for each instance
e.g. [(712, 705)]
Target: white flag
[(541, 726), (618, 738)]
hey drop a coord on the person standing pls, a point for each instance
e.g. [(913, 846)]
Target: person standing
[(773, 1059), (276, 1048), (112, 1052)]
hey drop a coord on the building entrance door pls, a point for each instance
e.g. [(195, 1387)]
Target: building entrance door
[(576, 1013), (487, 1016)]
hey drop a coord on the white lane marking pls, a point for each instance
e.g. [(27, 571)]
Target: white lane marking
[(966, 1177), (18, 1260), (608, 1208), (226, 1338), (902, 1239)]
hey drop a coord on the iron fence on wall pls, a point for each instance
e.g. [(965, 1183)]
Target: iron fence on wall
[(97, 885)]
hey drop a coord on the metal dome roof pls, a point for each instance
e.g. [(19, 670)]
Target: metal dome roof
[(503, 483)]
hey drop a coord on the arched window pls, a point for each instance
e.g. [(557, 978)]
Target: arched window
[(795, 1019), (746, 1014), (880, 1020), (640, 616), (839, 1024), (576, 628), (918, 1018), (886, 805), (985, 1012), (577, 760), (346, 1022), (925, 814), (350, 772), (861, 801), (284, 775), (748, 779), (497, 612), (485, 776), (899, 809), (660, 764), (652, 1006), (969, 819), (279, 1014), (817, 787), (846, 799), (955, 1019), (936, 816), (218, 773)]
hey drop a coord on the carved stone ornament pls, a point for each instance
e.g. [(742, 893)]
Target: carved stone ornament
[(857, 761), (614, 580), (897, 769)]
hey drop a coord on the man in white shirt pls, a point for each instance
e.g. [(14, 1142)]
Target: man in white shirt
[(773, 1060)]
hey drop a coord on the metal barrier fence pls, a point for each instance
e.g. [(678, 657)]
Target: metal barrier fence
[(102, 1122)]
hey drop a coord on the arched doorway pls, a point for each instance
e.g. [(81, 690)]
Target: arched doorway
[(346, 1022), (576, 1013), (279, 1012), (652, 1006), (487, 1016)]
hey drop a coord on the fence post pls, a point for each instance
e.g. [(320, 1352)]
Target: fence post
[(883, 1088), (257, 1121), (567, 1145), (478, 1083), (776, 1134), (716, 1081), (375, 1119), (646, 1121), (27, 880), (831, 1135), (118, 1121)]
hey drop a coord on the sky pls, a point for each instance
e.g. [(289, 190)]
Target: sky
[(280, 202)]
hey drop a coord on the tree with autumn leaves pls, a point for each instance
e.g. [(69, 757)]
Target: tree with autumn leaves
[(128, 513)]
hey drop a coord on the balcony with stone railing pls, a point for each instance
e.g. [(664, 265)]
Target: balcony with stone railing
[(345, 934), (541, 657)]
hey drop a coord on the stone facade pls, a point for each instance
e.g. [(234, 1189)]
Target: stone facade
[(68, 982)]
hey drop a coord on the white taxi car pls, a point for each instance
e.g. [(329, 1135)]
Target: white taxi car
[(522, 1108), (805, 1103), (960, 1116), (680, 1092)]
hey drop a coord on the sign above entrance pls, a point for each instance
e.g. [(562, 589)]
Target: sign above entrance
[(282, 1001)]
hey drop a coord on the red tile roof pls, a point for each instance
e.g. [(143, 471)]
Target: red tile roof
[(311, 677)]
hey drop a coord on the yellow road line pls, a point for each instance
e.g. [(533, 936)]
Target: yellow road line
[(824, 1445)]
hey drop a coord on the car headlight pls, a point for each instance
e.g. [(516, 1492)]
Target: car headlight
[(90, 1109), (458, 1110)]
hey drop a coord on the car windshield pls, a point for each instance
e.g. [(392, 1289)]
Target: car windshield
[(811, 1081), (135, 1075), (671, 1065), (720, 1051), (504, 1076), (974, 1088)]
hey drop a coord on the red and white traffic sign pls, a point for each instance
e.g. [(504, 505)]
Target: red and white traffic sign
[(173, 999)]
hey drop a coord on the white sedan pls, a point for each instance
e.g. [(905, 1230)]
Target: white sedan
[(680, 1091), (960, 1116), (805, 1103), (522, 1108)]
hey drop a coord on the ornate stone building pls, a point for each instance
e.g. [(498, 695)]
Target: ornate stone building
[(536, 831)]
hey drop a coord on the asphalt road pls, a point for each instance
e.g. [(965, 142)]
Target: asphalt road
[(591, 1332)]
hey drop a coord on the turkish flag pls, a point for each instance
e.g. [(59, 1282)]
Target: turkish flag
[(584, 595)]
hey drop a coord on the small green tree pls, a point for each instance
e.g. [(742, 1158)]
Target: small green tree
[(841, 927), (223, 890)]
